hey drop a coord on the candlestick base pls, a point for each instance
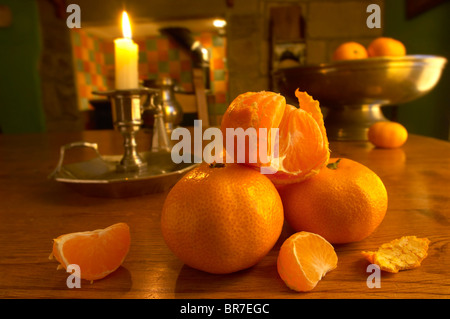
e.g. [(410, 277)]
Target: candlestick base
[(131, 160)]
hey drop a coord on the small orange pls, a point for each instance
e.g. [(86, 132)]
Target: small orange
[(386, 134), (304, 259), (350, 51), (222, 218), (303, 143), (384, 46), (98, 253), (344, 203)]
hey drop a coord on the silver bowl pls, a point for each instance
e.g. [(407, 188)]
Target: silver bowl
[(353, 91)]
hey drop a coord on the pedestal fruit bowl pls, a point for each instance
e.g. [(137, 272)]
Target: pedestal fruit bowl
[(354, 91)]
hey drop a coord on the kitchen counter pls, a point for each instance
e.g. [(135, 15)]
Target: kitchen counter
[(35, 209)]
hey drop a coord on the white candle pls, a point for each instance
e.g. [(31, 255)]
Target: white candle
[(126, 58)]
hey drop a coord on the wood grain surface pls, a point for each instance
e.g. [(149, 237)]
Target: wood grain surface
[(34, 210)]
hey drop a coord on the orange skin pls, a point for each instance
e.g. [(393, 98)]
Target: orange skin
[(403, 253), (222, 219), (387, 134), (343, 205)]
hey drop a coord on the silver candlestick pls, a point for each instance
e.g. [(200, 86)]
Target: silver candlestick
[(127, 112)]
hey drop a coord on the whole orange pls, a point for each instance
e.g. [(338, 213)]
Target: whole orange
[(344, 203), (222, 218), (350, 51), (386, 134), (384, 46)]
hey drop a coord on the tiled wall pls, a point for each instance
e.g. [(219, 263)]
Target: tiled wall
[(159, 55), (90, 66)]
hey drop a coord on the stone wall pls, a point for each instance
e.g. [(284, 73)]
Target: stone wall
[(329, 23), (326, 23)]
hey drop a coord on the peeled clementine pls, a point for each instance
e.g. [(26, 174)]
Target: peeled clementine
[(304, 259), (222, 218), (344, 203), (386, 134), (385, 46), (262, 110), (350, 51), (98, 253), (302, 140)]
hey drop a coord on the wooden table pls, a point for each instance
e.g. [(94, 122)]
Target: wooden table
[(34, 210)]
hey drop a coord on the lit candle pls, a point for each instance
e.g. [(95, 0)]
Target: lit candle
[(126, 58)]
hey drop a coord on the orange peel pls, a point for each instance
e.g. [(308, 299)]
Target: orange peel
[(404, 253)]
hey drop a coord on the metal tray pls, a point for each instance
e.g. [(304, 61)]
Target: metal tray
[(99, 177)]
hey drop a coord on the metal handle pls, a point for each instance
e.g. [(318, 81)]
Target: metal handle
[(66, 147), (151, 102)]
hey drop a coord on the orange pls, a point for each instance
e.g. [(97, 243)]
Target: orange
[(344, 203), (386, 134), (350, 51), (222, 218), (384, 46), (98, 253), (302, 143), (304, 259), (252, 110)]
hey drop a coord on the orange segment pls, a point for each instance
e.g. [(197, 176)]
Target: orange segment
[(304, 259), (98, 253), (296, 128), (303, 143)]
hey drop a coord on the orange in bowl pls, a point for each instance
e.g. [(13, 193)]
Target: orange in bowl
[(385, 46), (350, 51)]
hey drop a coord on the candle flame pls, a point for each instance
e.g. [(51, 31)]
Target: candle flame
[(126, 26)]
